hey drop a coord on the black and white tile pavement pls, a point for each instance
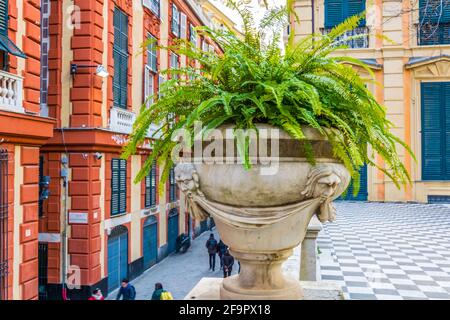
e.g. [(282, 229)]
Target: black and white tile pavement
[(388, 250)]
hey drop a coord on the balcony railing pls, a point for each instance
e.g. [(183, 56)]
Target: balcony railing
[(11, 88), (121, 120), (433, 34), (357, 38)]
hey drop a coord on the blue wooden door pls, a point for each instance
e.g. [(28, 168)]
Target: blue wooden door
[(363, 190), (150, 245), (436, 131), (203, 226), (173, 230), (117, 260)]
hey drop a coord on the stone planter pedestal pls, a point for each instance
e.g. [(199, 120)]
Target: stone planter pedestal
[(209, 289), (263, 217)]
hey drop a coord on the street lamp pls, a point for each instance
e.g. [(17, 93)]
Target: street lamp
[(100, 71)]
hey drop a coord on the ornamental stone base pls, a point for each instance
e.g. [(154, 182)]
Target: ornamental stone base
[(209, 289)]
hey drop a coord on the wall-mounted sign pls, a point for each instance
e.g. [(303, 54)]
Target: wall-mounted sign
[(78, 218)]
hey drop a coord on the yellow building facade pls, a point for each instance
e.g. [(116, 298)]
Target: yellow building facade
[(412, 69), (218, 15)]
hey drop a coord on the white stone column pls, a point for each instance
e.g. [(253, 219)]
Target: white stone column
[(309, 264)]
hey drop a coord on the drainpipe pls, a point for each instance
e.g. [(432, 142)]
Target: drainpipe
[(313, 17), (64, 252)]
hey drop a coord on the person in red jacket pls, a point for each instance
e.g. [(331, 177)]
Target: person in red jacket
[(97, 295)]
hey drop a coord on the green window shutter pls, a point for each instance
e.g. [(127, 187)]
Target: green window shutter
[(153, 184), (434, 11), (120, 54), (150, 187), (446, 116), (116, 79), (5, 43), (433, 131), (446, 13), (355, 7), (434, 18), (114, 186), (148, 191), (4, 17), (172, 186), (124, 82), (334, 13), (123, 187), (118, 186)]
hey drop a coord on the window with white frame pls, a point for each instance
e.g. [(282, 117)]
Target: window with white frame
[(175, 20), (153, 5), (204, 46), (45, 48), (161, 80), (149, 86), (174, 64), (183, 26), (152, 54), (192, 35)]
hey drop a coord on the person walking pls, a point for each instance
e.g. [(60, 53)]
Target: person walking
[(127, 291), (221, 249), (228, 262), (160, 293), (211, 245), (97, 295)]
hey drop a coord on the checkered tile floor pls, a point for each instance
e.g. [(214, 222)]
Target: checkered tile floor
[(388, 251)]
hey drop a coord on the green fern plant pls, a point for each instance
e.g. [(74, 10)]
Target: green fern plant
[(254, 81)]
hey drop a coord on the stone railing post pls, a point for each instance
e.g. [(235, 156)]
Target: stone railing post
[(309, 265)]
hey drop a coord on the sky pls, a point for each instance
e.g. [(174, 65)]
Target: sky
[(253, 5)]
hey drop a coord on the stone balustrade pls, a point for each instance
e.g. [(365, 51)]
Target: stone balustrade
[(121, 120), (11, 91)]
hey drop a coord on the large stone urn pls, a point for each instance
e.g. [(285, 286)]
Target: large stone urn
[(262, 217)]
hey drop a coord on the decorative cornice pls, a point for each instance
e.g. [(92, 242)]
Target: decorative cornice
[(25, 128), (416, 62), (90, 140)]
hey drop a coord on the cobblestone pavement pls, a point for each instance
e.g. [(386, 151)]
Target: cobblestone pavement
[(178, 273), (388, 250)]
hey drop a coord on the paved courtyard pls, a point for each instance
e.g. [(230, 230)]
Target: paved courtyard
[(388, 251), (374, 250)]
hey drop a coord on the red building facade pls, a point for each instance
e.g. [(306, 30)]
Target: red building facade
[(97, 226), (23, 130)]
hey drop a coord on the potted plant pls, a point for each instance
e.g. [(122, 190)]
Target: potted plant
[(328, 125)]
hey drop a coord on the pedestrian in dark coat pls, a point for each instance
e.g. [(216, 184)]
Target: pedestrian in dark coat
[(211, 245), (221, 249), (158, 291), (228, 262), (127, 291)]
